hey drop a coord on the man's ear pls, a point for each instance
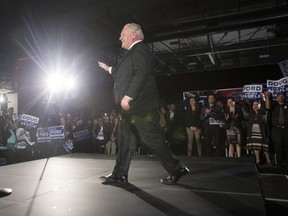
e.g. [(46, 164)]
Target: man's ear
[(134, 35)]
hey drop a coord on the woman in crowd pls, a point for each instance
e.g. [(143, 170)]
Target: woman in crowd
[(111, 145), (233, 120), (257, 133), (192, 121), (7, 135)]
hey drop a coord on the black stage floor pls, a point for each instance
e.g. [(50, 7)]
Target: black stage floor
[(69, 185)]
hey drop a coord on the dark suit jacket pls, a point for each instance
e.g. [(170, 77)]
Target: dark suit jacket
[(134, 76)]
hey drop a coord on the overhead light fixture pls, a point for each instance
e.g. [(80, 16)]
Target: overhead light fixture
[(264, 56), (192, 63), (211, 58)]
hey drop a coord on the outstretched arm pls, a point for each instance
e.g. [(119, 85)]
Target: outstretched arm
[(105, 67)]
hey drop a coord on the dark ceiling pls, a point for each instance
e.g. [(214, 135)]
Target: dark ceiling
[(186, 36)]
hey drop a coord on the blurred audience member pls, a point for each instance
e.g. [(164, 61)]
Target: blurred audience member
[(193, 124), (233, 121), (210, 115), (112, 143), (175, 129), (279, 131), (257, 130)]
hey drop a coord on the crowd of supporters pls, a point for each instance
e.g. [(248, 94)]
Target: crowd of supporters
[(20, 143), (231, 127)]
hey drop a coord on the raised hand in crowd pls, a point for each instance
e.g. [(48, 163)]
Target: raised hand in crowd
[(265, 95)]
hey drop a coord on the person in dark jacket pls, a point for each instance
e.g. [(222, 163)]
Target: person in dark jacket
[(136, 96), (233, 122), (193, 125), (175, 129), (258, 133), (211, 114), (279, 133)]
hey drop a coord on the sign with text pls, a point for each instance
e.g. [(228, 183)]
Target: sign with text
[(277, 86), (28, 120), (284, 67), (57, 132), (213, 121), (252, 91), (43, 135), (81, 135)]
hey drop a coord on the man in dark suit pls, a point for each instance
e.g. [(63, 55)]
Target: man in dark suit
[(136, 94)]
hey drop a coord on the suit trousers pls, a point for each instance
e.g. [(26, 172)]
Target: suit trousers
[(145, 127)]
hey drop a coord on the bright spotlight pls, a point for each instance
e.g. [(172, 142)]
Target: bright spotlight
[(54, 82), (57, 82), (70, 83)]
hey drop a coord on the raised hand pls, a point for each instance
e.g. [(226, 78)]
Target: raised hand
[(104, 66)]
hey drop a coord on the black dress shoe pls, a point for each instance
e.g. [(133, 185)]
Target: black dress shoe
[(112, 179), (109, 178), (171, 180), (5, 192), (122, 179)]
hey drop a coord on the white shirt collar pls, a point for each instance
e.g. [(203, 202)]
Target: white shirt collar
[(134, 44)]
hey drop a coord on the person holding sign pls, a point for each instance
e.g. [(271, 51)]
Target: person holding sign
[(257, 134), (279, 133), (210, 116)]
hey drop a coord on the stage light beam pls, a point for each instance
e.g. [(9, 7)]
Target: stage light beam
[(54, 82), (70, 83), (2, 99), (57, 82)]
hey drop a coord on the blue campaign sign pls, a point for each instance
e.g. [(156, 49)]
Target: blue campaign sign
[(252, 91), (277, 86), (43, 135), (28, 120), (57, 132), (284, 67), (81, 135)]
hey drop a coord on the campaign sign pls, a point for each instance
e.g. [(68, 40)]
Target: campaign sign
[(213, 121), (68, 146), (57, 132), (284, 67), (81, 135), (252, 91), (43, 135), (28, 120), (277, 86)]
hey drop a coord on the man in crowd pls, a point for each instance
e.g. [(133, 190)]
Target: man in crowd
[(279, 133), (136, 95), (210, 115)]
